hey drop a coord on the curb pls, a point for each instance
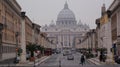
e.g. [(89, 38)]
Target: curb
[(94, 62), (43, 60), (99, 63), (37, 63)]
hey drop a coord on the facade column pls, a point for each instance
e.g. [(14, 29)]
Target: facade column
[(23, 43), (63, 40), (33, 34), (109, 42), (72, 40), (68, 40), (118, 32), (59, 41)]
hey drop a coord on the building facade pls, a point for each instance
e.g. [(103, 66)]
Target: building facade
[(35, 33), (88, 41), (66, 29), (28, 30), (115, 28), (10, 18)]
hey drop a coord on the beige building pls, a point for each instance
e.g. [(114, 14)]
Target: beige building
[(45, 42), (105, 32), (35, 33), (89, 41), (28, 30), (98, 43), (108, 28), (10, 18), (115, 23)]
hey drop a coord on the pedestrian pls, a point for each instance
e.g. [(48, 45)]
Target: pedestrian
[(100, 57), (82, 59), (104, 58)]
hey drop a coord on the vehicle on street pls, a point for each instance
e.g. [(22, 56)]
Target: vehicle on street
[(70, 57), (66, 52), (58, 51), (117, 59)]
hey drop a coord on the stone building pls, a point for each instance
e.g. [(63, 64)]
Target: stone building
[(115, 24), (28, 30), (35, 33), (66, 29), (89, 40), (10, 18), (98, 43), (44, 40), (105, 31)]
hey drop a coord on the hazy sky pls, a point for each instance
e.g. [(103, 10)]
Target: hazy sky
[(44, 11)]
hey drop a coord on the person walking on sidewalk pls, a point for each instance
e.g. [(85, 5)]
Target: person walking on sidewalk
[(100, 57), (82, 59)]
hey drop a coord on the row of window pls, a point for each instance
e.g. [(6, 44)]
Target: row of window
[(8, 37), (67, 23), (73, 29), (10, 26), (7, 49)]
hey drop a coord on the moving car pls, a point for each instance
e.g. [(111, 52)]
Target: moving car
[(70, 57), (66, 53), (58, 52)]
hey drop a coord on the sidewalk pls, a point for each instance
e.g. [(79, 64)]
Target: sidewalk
[(37, 61), (97, 62), (8, 61)]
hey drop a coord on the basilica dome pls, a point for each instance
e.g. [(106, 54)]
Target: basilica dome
[(66, 16)]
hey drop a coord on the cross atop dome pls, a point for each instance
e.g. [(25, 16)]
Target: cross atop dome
[(66, 6)]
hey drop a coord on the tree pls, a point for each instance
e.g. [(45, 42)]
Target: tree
[(40, 48), (31, 47)]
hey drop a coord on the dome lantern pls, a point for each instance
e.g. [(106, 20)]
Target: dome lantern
[(66, 6)]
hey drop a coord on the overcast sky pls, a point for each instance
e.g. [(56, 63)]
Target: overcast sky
[(44, 11)]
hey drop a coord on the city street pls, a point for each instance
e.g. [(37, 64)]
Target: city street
[(54, 62), (55, 59), (60, 33)]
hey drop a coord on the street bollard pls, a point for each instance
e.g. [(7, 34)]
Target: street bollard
[(59, 63)]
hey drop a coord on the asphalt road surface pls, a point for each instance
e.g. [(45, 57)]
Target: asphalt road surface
[(55, 60)]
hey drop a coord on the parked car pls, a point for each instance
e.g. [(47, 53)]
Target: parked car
[(117, 59), (70, 57), (58, 51), (16, 60)]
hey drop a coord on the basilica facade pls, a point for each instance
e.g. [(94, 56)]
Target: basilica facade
[(66, 30)]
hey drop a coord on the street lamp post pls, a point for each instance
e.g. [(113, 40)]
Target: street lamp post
[(1, 28), (16, 35)]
